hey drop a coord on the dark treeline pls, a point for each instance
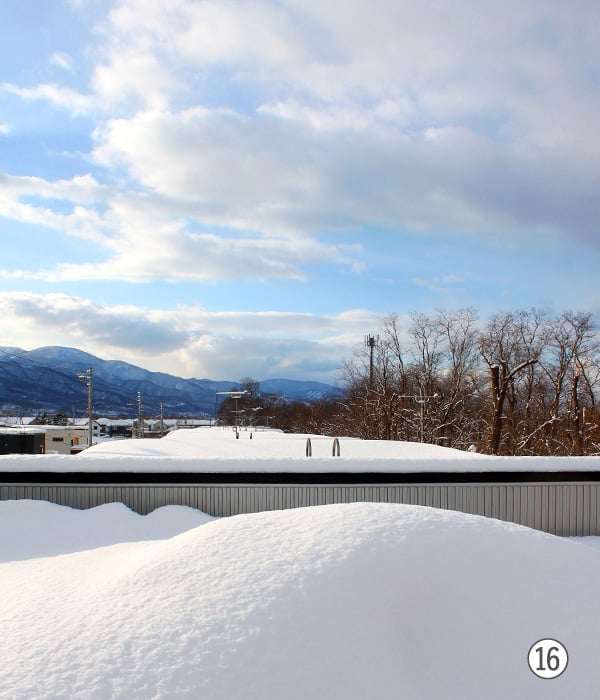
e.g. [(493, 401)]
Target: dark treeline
[(524, 383)]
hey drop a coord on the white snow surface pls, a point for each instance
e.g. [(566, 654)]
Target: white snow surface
[(40, 529), (217, 450), (338, 602)]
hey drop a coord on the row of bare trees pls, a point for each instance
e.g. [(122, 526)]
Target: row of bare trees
[(523, 383)]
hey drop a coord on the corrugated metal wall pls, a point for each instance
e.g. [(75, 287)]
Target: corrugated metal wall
[(560, 508)]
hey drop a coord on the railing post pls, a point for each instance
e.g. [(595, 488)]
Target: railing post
[(336, 448)]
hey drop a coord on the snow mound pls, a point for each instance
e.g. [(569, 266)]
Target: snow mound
[(344, 601), (40, 529)]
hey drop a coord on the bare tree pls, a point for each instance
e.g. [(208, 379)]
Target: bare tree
[(459, 415), (509, 345), (524, 383)]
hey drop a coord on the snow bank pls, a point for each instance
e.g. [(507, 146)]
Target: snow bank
[(219, 451), (39, 529), (345, 601)]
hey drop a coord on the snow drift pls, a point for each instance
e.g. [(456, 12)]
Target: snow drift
[(345, 601), (41, 529)]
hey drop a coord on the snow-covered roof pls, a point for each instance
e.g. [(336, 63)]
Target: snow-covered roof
[(16, 420), (217, 450)]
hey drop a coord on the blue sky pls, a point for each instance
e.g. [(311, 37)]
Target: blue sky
[(222, 188)]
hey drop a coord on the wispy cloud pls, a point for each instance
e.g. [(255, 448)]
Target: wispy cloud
[(60, 96), (145, 239), (62, 60)]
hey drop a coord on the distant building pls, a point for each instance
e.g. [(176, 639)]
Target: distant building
[(84, 423), (65, 439), (21, 442), (116, 427)]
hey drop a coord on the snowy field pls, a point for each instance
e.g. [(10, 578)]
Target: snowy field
[(335, 602)]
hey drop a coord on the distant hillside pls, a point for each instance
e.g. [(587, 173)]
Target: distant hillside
[(45, 379)]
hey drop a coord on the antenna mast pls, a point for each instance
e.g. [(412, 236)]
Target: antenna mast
[(371, 342)]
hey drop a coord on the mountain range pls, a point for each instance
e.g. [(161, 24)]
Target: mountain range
[(46, 379)]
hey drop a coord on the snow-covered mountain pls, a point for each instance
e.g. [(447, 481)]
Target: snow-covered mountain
[(46, 379)]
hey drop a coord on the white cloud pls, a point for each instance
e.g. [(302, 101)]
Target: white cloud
[(287, 122), (5, 129), (444, 285), (189, 341), (141, 239), (132, 76), (66, 98), (62, 60), (200, 257), (81, 189)]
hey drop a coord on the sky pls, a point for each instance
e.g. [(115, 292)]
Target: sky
[(245, 188)]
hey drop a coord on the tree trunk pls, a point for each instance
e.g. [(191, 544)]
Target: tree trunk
[(498, 396), (577, 435)]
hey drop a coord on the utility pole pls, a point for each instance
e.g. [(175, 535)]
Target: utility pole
[(422, 399), (235, 395), (162, 424), (140, 415), (87, 378)]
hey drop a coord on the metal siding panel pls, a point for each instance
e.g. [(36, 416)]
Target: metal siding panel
[(572, 510), (566, 510), (502, 498), (587, 510), (480, 500), (543, 501), (227, 503), (580, 513), (467, 499), (434, 498), (444, 497), (559, 512), (520, 504), (515, 504), (210, 501), (492, 501), (531, 506), (220, 501), (488, 504), (561, 508), (553, 508), (451, 503), (264, 498), (536, 507), (244, 500)]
